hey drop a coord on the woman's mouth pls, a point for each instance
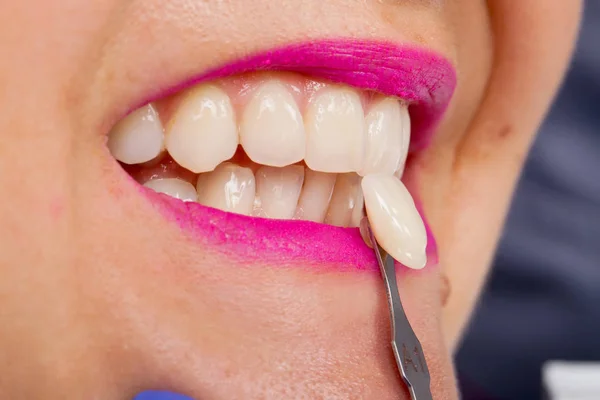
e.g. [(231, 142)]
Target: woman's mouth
[(283, 164)]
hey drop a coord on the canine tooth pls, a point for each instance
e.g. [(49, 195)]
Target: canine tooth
[(344, 200), (173, 187), (272, 130), (278, 190), (137, 138), (396, 223), (229, 187), (384, 138), (334, 123), (203, 131), (315, 195)]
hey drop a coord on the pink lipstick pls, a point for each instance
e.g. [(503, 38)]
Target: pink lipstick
[(423, 79)]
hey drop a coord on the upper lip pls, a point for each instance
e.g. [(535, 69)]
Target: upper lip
[(425, 79)]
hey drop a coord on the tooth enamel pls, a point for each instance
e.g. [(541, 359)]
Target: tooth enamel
[(272, 130), (384, 138), (395, 221), (203, 132), (137, 138), (405, 138), (229, 187), (345, 198), (358, 211), (315, 196), (173, 187), (278, 190), (334, 123)]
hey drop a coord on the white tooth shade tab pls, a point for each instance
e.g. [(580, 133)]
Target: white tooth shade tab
[(229, 188), (137, 138), (334, 122), (315, 196), (346, 197), (173, 187), (384, 143), (203, 131), (278, 190), (272, 130), (395, 221)]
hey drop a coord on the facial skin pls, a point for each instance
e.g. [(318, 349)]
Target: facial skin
[(102, 297)]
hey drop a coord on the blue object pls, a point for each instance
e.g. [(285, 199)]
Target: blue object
[(158, 395)]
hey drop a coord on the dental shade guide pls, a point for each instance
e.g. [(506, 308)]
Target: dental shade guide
[(405, 344)]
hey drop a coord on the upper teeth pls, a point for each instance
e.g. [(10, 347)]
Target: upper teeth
[(278, 123), (335, 125), (272, 120), (203, 132), (388, 137), (137, 138)]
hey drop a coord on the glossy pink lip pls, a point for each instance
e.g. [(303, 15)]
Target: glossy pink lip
[(423, 78)]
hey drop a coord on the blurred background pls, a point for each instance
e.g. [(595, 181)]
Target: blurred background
[(542, 300)]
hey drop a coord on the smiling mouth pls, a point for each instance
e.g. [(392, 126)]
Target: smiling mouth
[(284, 146)]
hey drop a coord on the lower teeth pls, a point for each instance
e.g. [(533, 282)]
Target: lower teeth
[(290, 192), (173, 187), (296, 192)]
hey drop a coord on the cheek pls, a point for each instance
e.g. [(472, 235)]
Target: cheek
[(432, 171), (202, 309), (474, 57), (320, 327)]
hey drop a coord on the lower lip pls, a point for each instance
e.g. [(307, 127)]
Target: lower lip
[(285, 243), (420, 77)]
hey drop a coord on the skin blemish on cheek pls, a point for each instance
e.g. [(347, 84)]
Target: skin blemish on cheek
[(56, 208), (505, 131), (445, 289)]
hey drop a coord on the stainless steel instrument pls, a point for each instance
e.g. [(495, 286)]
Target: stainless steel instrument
[(405, 344)]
